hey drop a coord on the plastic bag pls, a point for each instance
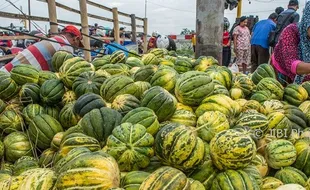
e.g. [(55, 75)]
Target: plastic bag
[(234, 68)]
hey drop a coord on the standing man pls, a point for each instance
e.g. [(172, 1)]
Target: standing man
[(286, 18), (194, 41), (259, 41)]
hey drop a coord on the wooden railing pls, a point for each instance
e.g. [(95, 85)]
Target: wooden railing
[(53, 5)]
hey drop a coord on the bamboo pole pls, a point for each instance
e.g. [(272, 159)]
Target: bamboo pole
[(85, 30), (116, 25), (52, 16), (239, 9), (145, 35), (133, 28)]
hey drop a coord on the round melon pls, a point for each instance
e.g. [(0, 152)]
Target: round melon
[(184, 117), (236, 93), (134, 62), (192, 87), (145, 73), (25, 73), (32, 110), (8, 87), (23, 164), (98, 62), (52, 111), (51, 91), (220, 89), (273, 86), (16, 145), (125, 103), (67, 117), (184, 152), (221, 74), (164, 77), (150, 59), (296, 116), (42, 130), (211, 123), (270, 183), (99, 123), (11, 121), (116, 69), (143, 116), (160, 101), (72, 68), (244, 83), (46, 158), (279, 125), (263, 71), (68, 97), (29, 93), (141, 88), (261, 164), (59, 58), (46, 75), (86, 103), (290, 175), (118, 57), (295, 94), (204, 62), (133, 180), (88, 82), (131, 146), (280, 147), (261, 96), (182, 65), (303, 155), (226, 143)]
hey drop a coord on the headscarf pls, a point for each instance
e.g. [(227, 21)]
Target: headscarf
[(243, 18), (304, 44)]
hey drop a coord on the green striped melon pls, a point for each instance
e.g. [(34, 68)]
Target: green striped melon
[(42, 130), (141, 88), (279, 125), (263, 71), (131, 146), (236, 93), (150, 59), (273, 86), (88, 102), (254, 173), (46, 75), (234, 179), (59, 58), (8, 87), (261, 164), (290, 175), (99, 123), (160, 101), (158, 180), (221, 74), (280, 147), (158, 52), (72, 68), (295, 94), (219, 88), (261, 96), (67, 117), (271, 106), (192, 87), (134, 62), (98, 62), (25, 73), (184, 117), (204, 62), (133, 180), (32, 110), (145, 73), (2, 106), (270, 183), (51, 91), (117, 85), (88, 82), (179, 147), (164, 77), (16, 145), (77, 167), (296, 116), (11, 121), (244, 83), (125, 103), (205, 173), (29, 93), (182, 65), (52, 111), (253, 104), (143, 116), (46, 158), (116, 69), (23, 164), (303, 155), (211, 123), (118, 57), (231, 149), (68, 97)]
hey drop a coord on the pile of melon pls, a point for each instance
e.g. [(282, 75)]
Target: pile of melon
[(156, 122)]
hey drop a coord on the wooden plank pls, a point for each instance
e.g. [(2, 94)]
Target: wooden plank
[(133, 28), (7, 57), (116, 25), (145, 35), (52, 16), (85, 29), (35, 18)]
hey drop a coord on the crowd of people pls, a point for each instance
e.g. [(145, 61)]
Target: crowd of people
[(267, 36)]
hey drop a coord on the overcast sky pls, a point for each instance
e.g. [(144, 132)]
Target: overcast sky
[(165, 16)]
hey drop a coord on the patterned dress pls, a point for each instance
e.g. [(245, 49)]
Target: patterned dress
[(286, 55), (243, 48)]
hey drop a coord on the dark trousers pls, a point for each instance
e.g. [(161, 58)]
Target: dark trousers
[(226, 56), (259, 55)]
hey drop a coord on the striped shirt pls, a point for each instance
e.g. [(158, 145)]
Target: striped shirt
[(39, 54)]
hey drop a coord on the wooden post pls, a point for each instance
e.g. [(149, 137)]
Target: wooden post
[(145, 35), (209, 27), (116, 25), (29, 14), (239, 9), (133, 28), (52, 14), (85, 30)]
